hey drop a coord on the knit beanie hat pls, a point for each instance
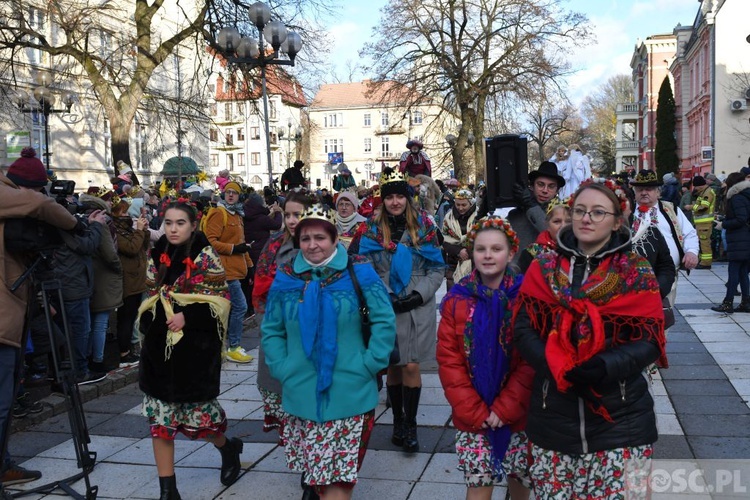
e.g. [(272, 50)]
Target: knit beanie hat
[(233, 185), (699, 181), (392, 182), (349, 196), (28, 170)]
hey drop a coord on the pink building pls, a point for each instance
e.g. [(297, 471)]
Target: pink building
[(691, 69)]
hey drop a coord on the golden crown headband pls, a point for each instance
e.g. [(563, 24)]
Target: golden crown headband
[(392, 176), (647, 177), (318, 211), (557, 202), (493, 222)]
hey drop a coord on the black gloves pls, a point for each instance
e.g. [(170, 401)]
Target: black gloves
[(522, 195), (240, 248), (591, 372), (406, 304)]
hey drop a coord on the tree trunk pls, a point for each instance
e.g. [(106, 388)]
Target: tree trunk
[(121, 145)]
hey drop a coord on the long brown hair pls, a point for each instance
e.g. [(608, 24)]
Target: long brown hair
[(412, 222)]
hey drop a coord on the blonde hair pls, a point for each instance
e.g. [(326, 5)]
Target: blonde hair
[(412, 223)]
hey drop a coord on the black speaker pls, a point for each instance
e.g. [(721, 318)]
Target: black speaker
[(507, 164)]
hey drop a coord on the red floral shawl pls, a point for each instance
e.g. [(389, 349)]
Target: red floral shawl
[(621, 293)]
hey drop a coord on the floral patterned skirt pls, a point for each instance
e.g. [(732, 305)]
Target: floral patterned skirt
[(273, 414), (329, 452), (618, 474), (195, 420), (475, 459)]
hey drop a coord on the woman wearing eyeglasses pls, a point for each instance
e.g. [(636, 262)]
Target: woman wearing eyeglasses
[(589, 320)]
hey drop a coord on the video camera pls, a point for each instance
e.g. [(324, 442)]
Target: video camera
[(60, 190)]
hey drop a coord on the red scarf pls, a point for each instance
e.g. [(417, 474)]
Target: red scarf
[(620, 296)]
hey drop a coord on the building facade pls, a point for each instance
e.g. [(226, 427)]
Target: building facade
[(351, 123), (636, 121), (171, 116), (237, 134)]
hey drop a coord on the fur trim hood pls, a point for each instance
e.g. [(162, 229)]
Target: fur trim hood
[(737, 188)]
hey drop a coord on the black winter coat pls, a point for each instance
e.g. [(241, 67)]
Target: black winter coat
[(737, 221), (563, 422), (192, 374), (258, 227)]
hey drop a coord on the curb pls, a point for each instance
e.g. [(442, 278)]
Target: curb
[(56, 403)]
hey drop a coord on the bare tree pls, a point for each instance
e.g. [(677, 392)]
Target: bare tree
[(600, 111), (117, 47), (463, 51)]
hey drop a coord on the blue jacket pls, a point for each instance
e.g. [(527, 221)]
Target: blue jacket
[(353, 389), (737, 222)]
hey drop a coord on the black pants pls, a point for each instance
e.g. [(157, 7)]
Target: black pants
[(125, 320)]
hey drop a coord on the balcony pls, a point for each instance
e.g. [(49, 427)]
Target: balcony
[(394, 130), (388, 155), (627, 145), (627, 111)]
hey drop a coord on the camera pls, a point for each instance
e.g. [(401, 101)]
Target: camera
[(60, 190)]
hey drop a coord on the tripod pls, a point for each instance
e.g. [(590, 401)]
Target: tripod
[(65, 374)]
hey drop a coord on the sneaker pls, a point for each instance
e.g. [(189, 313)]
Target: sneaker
[(15, 474), (238, 355), (91, 378), (25, 402), (703, 266), (19, 411), (249, 319), (97, 366), (129, 359)]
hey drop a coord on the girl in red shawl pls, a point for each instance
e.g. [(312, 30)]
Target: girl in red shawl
[(558, 215), (486, 384), (589, 321)]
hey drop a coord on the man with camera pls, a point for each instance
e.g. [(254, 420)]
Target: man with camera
[(20, 197)]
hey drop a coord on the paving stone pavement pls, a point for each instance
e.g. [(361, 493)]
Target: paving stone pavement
[(701, 403)]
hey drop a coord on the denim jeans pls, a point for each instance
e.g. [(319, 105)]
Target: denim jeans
[(99, 324), (737, 275), (237, 313), (8, 357), (79, 322)]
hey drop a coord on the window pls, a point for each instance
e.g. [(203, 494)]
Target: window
[(227, 86), (227, 110), (240, 159), (368, 145), (255, 158), (255, 133), (214, 160), (241, 108), (416, 118), (212, 88), (333, 120), (213, 135), (229, 137), (384, 119), (240, 134), (230, 161), (333, 145), (272, 109), (105, 45), (212, 109), (368, 120), (36, 19), (384, 147)]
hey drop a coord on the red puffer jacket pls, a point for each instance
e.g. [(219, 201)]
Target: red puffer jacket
[(469, 411)]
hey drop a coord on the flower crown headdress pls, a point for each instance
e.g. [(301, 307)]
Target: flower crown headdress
[(463, 194), (493, 222), (612, 186)]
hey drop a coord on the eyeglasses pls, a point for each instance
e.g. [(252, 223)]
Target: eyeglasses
[(596, 215)]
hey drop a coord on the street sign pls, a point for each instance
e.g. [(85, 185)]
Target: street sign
[(336, 158), (15, 142)]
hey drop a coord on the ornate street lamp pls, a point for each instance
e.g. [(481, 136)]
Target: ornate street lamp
[(251, 52), (45, 102), (297, 137)]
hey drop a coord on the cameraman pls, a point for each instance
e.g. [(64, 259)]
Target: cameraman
[(19, 197)]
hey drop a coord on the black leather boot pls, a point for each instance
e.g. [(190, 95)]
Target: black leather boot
[(411, 405), (168, 486), (230, 461), (744, 306), (396, 397), (724, 307)]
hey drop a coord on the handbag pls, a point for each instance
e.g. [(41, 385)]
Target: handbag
[(364, 314), (668, 313)]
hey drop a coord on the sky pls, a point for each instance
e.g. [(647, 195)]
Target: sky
[(617, 25)]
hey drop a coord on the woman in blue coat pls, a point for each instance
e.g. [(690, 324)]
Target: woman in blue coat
[(315, 346)]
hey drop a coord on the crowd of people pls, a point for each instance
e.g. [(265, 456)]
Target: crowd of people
[(553, 321)]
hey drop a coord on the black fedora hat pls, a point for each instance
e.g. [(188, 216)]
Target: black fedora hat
[(646, 178), (547, 169)]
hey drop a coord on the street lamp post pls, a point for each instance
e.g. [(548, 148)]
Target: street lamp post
[(46, 102), (297, 137), (251, 53)]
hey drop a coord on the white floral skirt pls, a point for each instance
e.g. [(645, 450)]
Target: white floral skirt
[(475, 459)]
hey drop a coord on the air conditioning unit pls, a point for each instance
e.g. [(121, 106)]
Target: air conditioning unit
[(738, 105), (747, 93)]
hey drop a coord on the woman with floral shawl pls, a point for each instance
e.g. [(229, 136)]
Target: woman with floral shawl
[(589, 320), (402, 243), (183, 322)]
